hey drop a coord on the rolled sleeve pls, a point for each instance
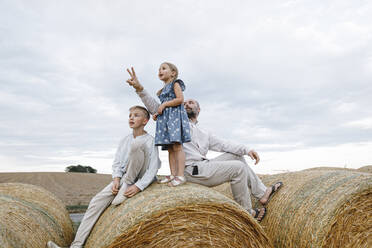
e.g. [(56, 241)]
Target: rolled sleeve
[(151, 104), (220, 145)]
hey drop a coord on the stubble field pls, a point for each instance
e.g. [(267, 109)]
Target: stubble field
[(74, 189)]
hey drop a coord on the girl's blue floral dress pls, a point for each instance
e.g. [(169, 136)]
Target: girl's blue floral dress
[(172, 126)]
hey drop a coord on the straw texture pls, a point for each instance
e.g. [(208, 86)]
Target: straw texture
[(186, 216), (30, 216), (319, 208)]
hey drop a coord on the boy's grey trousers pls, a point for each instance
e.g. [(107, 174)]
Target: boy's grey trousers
[(135, 169)]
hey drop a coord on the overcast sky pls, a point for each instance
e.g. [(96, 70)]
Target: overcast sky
[(290, 79)]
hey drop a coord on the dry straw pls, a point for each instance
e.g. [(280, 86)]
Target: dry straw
[(186, 216), (319, 208), (30, 216)]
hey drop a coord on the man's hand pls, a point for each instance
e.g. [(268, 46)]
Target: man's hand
[(254, 156), (155, 117), (161, 108), (115, 185), (131, 191), (133, 81)]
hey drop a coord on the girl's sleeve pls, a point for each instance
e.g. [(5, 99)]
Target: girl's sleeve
[(181, 83)]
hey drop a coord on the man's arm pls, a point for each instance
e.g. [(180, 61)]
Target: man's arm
[(151, 104), (154, 165), (219, 145)]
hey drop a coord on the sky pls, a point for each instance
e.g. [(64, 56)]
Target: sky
[(289, 79)]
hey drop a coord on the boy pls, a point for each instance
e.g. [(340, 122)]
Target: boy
[(134, 168)]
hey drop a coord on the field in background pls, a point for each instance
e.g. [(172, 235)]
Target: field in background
[(77, 189), (74, 189)]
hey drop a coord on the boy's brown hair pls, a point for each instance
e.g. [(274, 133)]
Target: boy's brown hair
[(143, 109)]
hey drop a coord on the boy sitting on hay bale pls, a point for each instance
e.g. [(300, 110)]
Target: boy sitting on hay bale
[(134, 168)]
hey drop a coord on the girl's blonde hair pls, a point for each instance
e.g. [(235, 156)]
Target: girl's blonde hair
[(173, 69)]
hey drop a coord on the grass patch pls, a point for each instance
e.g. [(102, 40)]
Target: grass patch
[(76, 208)]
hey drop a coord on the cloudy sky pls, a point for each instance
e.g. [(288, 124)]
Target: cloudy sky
[(290, 79)]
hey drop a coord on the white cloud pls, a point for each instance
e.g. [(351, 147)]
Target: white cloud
[(273, 75), (362, 123)]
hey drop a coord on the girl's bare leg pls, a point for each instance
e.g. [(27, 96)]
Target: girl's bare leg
[(172, 161), (179, 155)]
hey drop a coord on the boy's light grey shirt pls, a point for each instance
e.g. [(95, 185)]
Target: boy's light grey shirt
[(122, 155), (201, 141)]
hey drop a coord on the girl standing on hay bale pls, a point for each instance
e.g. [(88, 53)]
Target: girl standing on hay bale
[(172, 123)]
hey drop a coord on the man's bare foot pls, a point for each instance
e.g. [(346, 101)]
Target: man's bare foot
[(259, 213), (269, 192)]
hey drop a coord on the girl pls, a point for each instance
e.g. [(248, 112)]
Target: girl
[(172, 123)]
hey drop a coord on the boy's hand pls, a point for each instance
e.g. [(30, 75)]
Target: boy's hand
[(115, 185), (161, 108), (155, 117), (133, 81), (131, 191), (254, 156)]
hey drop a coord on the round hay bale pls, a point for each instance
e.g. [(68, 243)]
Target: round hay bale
[(320, 209), (190, 215), (30, 216)]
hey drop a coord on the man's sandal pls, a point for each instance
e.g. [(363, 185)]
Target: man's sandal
[(167, 179), (177, 181), (257, 213), (273, 190)]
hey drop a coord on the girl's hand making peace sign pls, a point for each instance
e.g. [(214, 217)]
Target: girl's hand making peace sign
[(133, 81)]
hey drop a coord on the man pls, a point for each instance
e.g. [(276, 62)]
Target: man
[(135, 167), (229, 167)]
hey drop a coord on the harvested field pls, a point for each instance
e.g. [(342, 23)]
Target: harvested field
[(330, 168), (73, 189), (367, 168), (30, 216), (187, 216)]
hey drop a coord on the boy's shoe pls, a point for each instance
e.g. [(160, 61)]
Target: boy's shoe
[(167, 179), (177, 181), (51, 244), (120, 197)]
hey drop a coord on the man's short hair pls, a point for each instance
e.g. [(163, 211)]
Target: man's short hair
[(143, 109), (197, 103)]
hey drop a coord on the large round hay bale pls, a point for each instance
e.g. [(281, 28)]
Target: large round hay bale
[(186, 216), (30, 216), (318, 208)]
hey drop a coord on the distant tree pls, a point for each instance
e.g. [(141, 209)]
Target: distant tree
[(80, 168)]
